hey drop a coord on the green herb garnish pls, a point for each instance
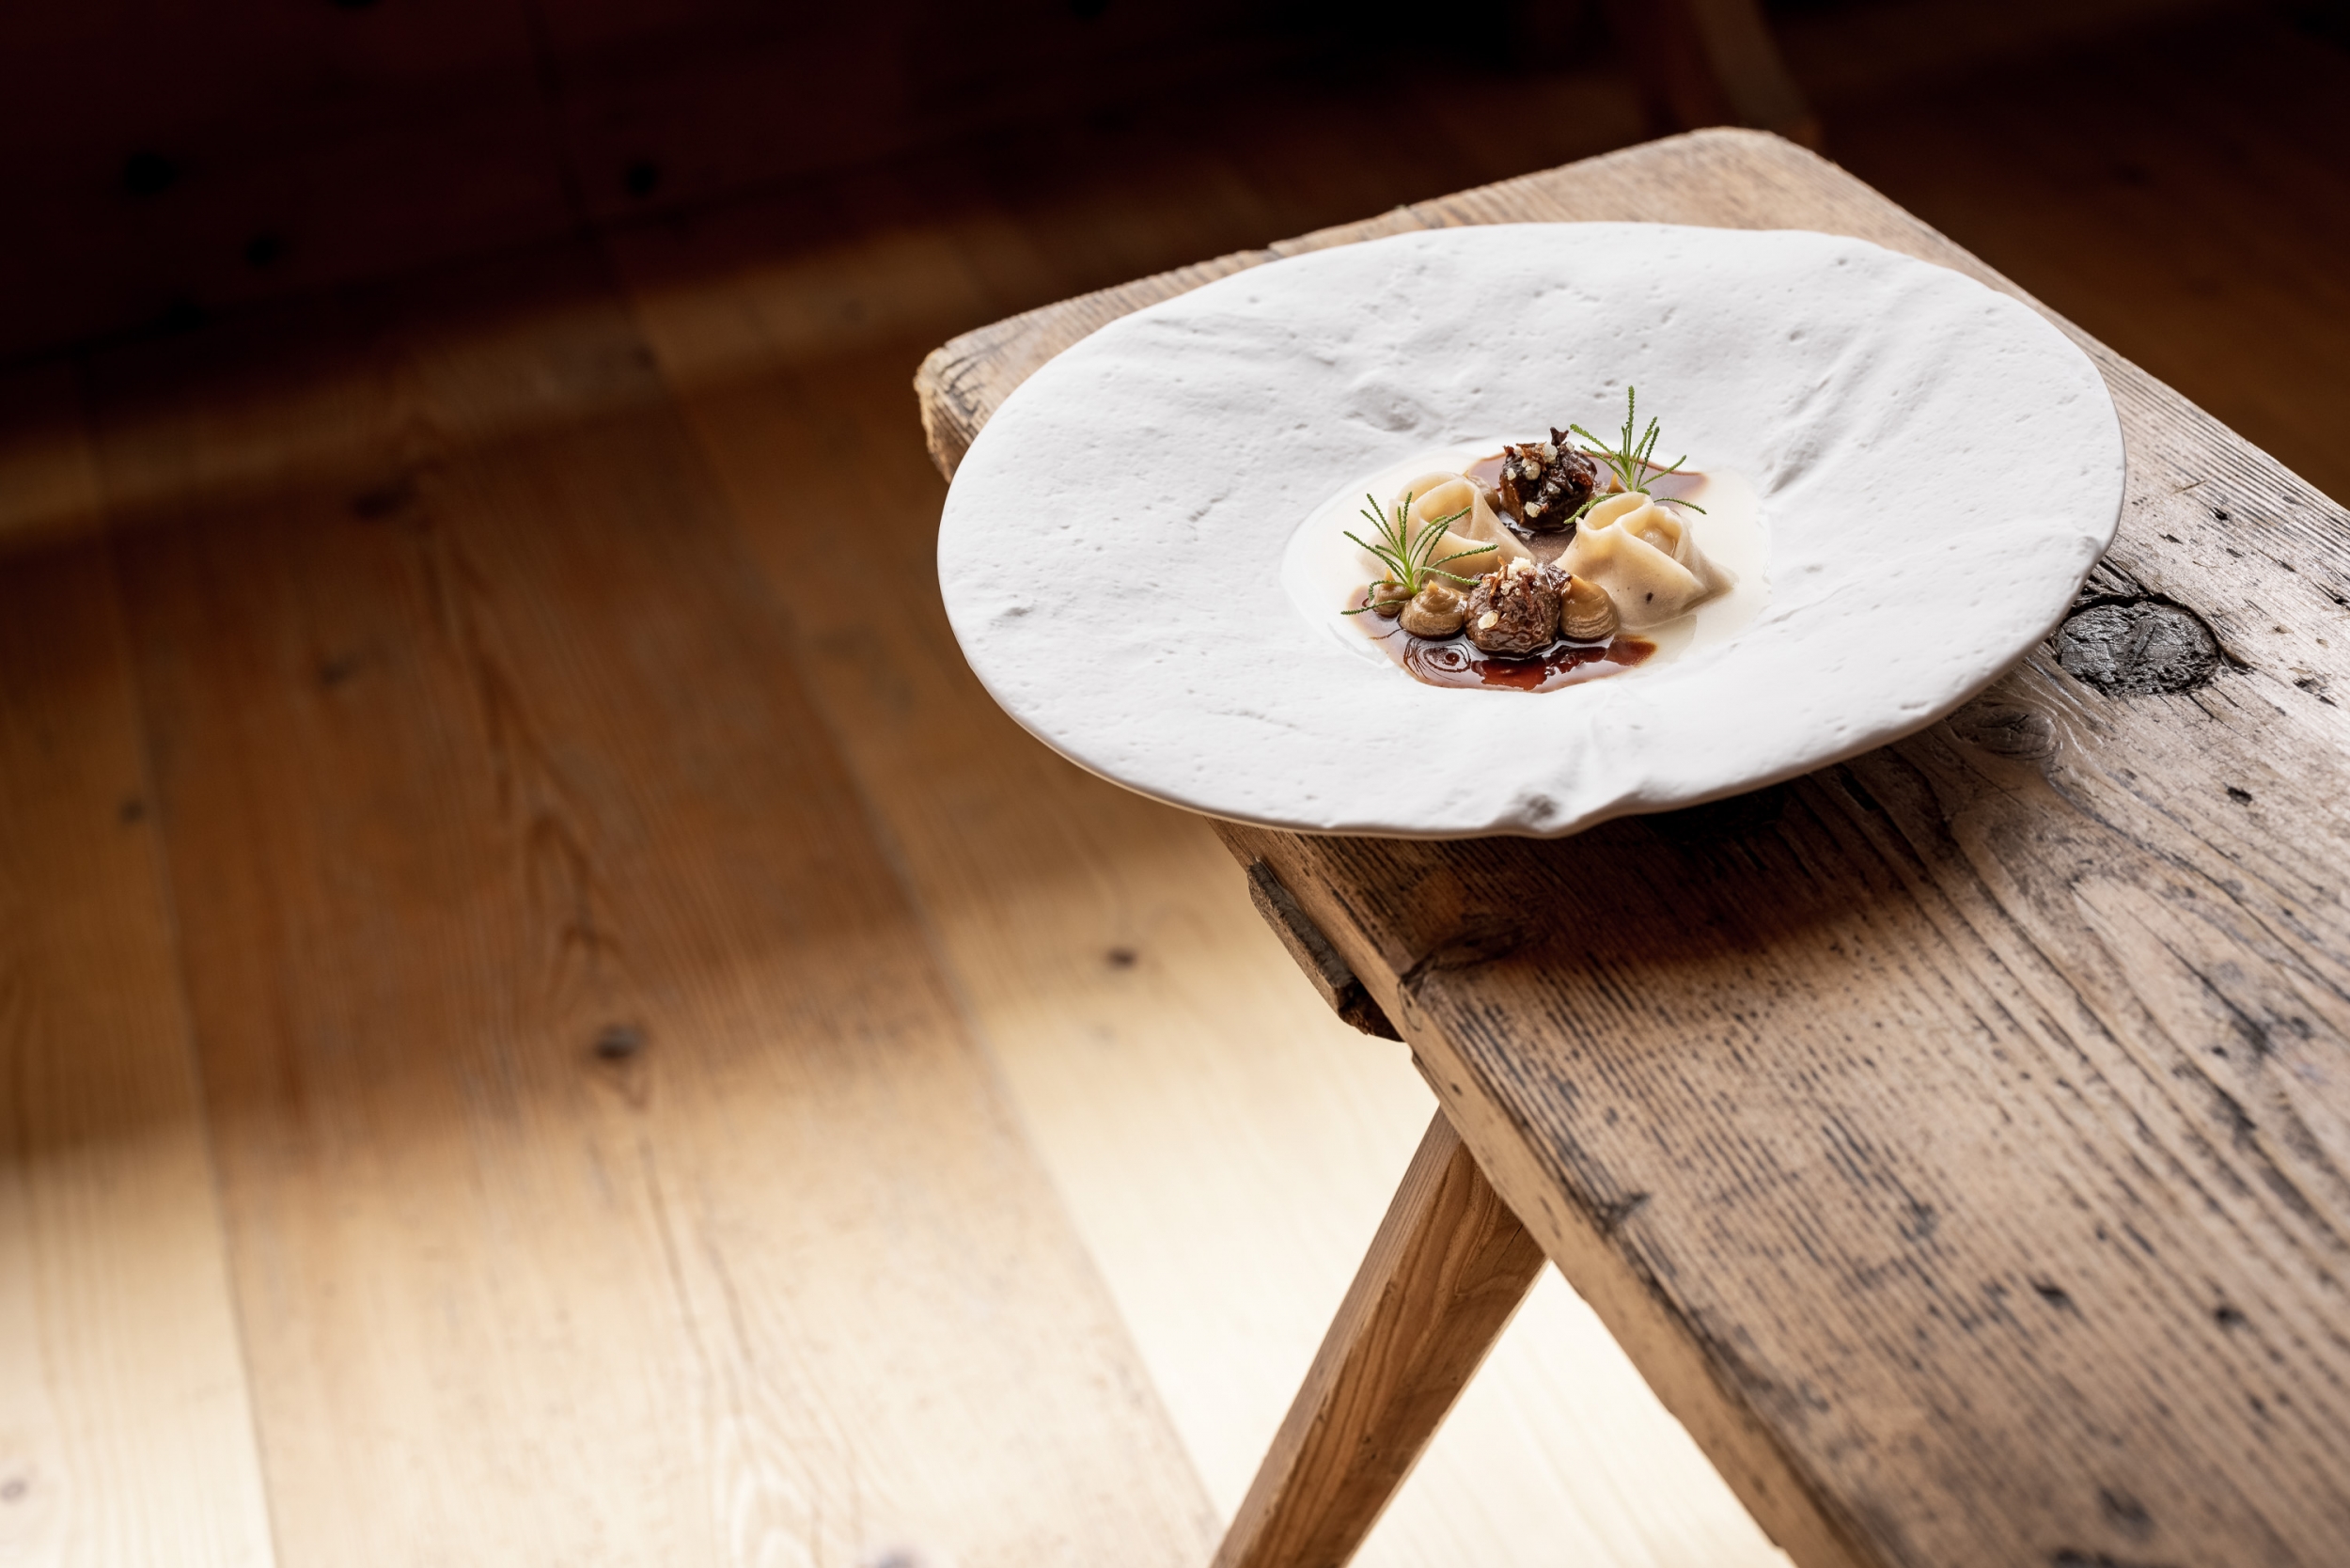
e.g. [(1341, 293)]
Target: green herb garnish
[(1405, 555), (1629, 458)]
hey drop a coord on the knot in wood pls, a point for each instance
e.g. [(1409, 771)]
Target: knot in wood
[(2138, 649), (619, 1042), (2006, 731)]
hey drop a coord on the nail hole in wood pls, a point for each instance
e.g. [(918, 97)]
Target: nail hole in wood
[(619, 1042)]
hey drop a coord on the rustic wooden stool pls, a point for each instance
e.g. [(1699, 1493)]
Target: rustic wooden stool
[(1957, 1138)]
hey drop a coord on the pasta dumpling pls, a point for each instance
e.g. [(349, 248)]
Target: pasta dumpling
[(1436, 495), (1644, 557)]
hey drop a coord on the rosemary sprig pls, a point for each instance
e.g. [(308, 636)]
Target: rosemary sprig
[(1630, 458), (1405, 555)]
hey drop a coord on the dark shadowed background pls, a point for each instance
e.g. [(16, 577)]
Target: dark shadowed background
[(2169, 173)]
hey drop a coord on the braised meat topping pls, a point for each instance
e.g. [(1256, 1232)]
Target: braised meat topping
[(1514, 610), (1545, 482)]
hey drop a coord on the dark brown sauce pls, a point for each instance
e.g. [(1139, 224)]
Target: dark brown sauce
[(1455, 661)]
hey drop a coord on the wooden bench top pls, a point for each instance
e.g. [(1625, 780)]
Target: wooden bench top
[(1958, 1138)]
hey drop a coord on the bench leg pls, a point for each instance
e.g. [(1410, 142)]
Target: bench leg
[(1449, 1267)]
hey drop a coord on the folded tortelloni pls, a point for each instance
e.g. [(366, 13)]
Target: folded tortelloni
[(1481, 532), (1644, 557)]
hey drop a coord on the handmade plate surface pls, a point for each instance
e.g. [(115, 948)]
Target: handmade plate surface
[(1936, 467)]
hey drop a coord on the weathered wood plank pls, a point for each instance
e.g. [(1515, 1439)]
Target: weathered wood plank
[(611, 1177), (1450, 1265), (1319, 962), (126, 1435), (1958, 1137)]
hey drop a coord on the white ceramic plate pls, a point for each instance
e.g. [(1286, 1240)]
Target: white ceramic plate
[(1935, 468)]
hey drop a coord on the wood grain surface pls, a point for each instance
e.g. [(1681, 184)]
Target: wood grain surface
[(1221, 1147), (1450, 1265), (609, 1177), (125, 1433), (1955, 1137)]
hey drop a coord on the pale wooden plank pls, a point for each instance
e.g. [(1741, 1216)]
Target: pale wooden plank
[(1226, 1146), (1449, 1267), (1929, 1176), (125, 1431), (611, 1179), (1107, 951)]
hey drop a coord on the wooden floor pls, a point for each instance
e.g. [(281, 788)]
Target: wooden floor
[(547, 1020)]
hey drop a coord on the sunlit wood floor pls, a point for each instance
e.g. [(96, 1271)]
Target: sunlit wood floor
[(547, 1020)]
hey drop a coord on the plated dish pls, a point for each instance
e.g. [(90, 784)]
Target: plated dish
[(1542, 564), (1896, 480)]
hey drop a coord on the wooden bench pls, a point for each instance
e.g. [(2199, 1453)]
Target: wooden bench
[(1958, 1138)]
